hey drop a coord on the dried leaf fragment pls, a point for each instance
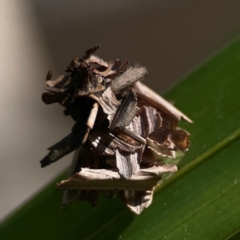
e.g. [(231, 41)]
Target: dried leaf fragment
[(88, 179), (137, 201)]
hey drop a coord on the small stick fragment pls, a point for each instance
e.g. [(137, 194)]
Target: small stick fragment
[(91, 121), (128, 78), (92, 116), (148, 97), (126, 112), (72, 141)]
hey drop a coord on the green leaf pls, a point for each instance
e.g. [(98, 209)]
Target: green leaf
[(200, 201)]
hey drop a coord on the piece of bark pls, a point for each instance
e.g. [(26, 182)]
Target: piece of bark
[(148, 121), (118, 69), (113, 69), (62, 82), (127, 79), (64, 98), (63, 147), (180, 137), (74, 140), (125, 112), (108, 102), (93, 59), (103, 179), (90, 51), (161, 134), (137, 201), (148, 97), (127, 164)]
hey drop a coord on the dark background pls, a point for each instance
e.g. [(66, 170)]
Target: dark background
[(168, 36)]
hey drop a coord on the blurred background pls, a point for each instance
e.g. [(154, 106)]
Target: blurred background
[(170, 37)]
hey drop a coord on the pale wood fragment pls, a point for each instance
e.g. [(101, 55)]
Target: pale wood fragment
[(103, 179), (148, 97)]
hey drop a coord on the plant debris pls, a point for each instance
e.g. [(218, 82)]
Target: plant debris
[(121, 133)]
